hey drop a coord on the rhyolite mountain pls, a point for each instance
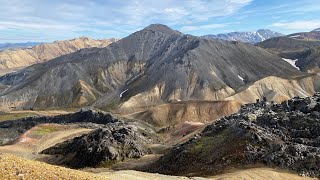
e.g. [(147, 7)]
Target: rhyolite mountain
[(17, 58), (151, 66), (247, 37), (303, 47)]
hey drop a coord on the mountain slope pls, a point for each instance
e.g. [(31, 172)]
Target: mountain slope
[(247, 37), (148, 67), (302, 47), (14, 58)]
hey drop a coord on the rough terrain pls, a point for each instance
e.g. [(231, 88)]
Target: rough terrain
[(13, 167), (278, 135)]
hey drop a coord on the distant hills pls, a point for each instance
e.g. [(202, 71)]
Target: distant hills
[(16, 58), (247, 37), (303, 47), (18, 45)]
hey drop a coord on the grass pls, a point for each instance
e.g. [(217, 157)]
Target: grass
[(15, 116), (44, 130)]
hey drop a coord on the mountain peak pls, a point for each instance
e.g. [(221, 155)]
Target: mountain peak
[(316, 30), (161, 28)]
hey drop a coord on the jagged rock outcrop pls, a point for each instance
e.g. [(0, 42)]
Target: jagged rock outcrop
[(149, 67), (102, 147), (278, 135), (17, 58)]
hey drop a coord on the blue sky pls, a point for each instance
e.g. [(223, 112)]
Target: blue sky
[(48, 20)]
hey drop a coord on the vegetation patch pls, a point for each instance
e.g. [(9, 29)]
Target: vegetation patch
[(15, 116)]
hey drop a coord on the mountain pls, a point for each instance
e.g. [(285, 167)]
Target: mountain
[(316, 30), (18, 45), (303, 48), (247, 37), (149, 67), (15, 58)]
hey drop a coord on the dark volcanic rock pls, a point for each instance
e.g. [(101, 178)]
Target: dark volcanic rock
[(283, 135), (103, 146), (11, 130)]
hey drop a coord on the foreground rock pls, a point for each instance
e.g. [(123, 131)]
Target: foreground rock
[(283, 135), (102, 147)]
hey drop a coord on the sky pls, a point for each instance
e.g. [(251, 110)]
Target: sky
[(48, 20)]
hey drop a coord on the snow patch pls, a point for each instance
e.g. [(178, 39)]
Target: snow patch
[(262, 39), (292, 62), (240, 78), (295, 36), (123, 92)]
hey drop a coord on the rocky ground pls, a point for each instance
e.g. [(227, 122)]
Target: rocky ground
[(283, 135), (103, 147), (12, 130)]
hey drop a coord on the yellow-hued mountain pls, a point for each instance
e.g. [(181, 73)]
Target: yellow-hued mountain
[(15, 58)]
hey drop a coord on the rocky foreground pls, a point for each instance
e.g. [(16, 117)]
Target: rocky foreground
[(102, 147), (283, 135)]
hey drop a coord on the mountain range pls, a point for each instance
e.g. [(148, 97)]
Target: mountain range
[(18, 45), (247, 37), (196, 106), (149, 67), (17, 58)]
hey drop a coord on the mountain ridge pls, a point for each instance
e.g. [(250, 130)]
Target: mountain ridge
[(16, 58), (150, 66), (247, 37)]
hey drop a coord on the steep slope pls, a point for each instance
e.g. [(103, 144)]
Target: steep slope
[(302, 47), (278, 89), (247, 37), (151, 66), (14, 58), (193, 111), (310, 60)]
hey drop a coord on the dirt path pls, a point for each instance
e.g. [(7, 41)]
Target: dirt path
[(41, 137)]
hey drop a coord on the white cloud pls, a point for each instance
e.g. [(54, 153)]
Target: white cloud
[(298, 25), (203, 27), (70, 17)]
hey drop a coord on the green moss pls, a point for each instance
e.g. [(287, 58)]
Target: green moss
[(15, 116), (206, 144), (43, 130)]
